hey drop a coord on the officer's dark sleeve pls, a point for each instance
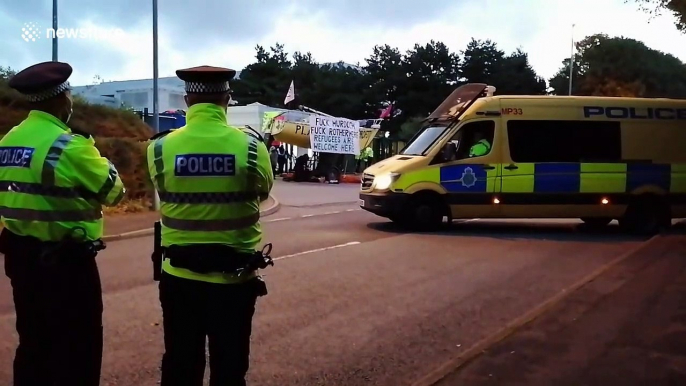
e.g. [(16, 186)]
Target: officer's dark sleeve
[(85, 167)]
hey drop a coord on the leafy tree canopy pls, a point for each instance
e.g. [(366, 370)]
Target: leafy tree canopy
[(621, 67), (415, 81), (676, 7)]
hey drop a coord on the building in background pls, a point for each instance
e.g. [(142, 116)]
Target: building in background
[(135, 94), (138, 95)]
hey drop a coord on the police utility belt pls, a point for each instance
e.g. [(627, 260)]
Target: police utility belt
[(206, 258), (69, 250)]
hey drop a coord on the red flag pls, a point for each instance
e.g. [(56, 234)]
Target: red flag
[(386, 113)]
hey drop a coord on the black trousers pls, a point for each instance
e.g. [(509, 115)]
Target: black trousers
[(59, 321), (195, 310)]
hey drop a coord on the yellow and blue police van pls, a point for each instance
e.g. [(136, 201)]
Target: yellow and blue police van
[(594, 158)]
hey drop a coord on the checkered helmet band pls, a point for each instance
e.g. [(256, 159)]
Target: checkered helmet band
[(47, 94), (207, 88)]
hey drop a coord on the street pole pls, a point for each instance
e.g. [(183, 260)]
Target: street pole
[(155, 75), (571, 63), (54, 29), (155, 96)]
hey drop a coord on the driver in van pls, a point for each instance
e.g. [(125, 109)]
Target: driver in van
[(481, 145)]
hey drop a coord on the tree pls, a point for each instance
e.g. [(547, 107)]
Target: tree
[(6, 73), (511, 74), (335, 89), (340, 91), (559, 83), (264, 80), (481, 61), (676, 7), (384, 77), (431, 73), (305, 74), (414, 82), (515, 76), (622, 67)]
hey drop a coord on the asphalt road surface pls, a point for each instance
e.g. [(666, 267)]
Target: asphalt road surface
[(627, 327), (352, 300)]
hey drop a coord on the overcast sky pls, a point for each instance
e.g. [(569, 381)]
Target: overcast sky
[(224, 33)]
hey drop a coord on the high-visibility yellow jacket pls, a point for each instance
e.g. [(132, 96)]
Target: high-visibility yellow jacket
[(480, 148), (365, 154), (210, 178), (52, 180)]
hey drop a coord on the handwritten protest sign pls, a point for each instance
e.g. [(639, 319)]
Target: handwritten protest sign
[(334, 135)]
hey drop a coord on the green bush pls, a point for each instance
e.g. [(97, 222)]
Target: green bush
[(120, 135), (99, 121), (129, 156)]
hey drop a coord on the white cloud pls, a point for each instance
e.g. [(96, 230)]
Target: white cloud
[(541, 28)]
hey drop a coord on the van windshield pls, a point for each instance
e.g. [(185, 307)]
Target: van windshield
[(423, 140), (447, 112)]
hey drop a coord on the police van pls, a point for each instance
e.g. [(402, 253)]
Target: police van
[(593, 158)]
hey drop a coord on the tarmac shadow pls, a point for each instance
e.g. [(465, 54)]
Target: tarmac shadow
[(521, 229)]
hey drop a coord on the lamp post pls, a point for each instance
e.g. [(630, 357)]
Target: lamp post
[(54, 29), (155, 75), (155, 96), (571, 62)]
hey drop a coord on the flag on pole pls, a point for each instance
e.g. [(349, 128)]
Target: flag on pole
[(290, 97), (386, 113)]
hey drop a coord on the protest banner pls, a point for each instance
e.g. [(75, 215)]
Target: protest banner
[(334, 135)]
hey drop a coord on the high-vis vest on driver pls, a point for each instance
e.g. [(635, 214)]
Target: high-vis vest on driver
[(210, 178), (52, 180), (480, 148)]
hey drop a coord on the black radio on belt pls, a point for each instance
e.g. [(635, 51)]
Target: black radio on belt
[(206, 258), (70, 248), (72, 245)]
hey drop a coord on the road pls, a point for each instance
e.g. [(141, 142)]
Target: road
[(354, 301), (628, 327)]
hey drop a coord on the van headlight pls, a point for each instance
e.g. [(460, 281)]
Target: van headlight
[(384, 181)]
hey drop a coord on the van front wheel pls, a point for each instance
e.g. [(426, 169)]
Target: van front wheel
[(646, 216), (426, 213)]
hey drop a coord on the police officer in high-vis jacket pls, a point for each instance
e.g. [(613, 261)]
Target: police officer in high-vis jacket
[(210, 178), (481, 146), (53, 182)]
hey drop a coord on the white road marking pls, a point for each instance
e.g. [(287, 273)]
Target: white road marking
[(327, 213), (318, 250), (458, 221), (310, 215), (279, 219)]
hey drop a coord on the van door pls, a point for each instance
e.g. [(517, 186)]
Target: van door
[(546, 170), (520, 197), (470, 176)]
